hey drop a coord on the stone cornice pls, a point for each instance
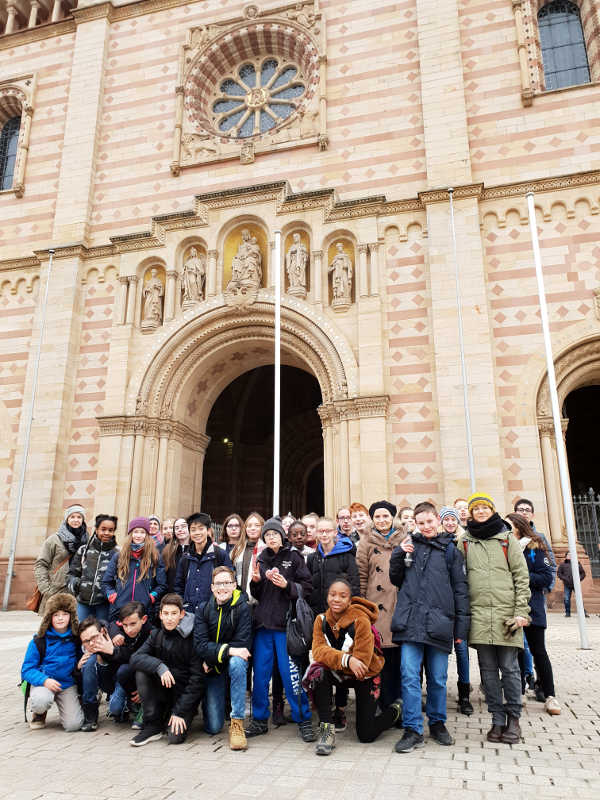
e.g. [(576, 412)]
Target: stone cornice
[(355, 408), (47, 31), (539, 185), (442, 195), (153, 427)]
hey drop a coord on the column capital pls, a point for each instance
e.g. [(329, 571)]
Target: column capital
[(317, 254), (362, 248), (133, 278), (172, 273), (213, 253), (124, 279)]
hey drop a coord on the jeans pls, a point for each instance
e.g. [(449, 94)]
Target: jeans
[(214, 703), (462, 661), (436, 670), (527, 661), (94, 677), (266, 643), (69, 708), (500, 674), (100, 611)]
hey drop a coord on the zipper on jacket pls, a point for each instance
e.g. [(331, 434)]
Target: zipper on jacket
[(219, 622), (133, 587)]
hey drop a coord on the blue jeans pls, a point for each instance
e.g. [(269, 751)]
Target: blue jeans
[(527, 659), (100, 611), (94, 677), (462, 661), (214, 703), (266, 643), (436, 670)]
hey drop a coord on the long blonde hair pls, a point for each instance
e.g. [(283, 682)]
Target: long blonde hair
[(149, 559), (241, 542), (260, 520)]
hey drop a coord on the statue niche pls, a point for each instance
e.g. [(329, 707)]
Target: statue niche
[(296, 264), (341, 270), (153, 292), (193, 278), (246, 267)]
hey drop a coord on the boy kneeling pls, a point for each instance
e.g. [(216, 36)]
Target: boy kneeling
[(169, 675), (222, 638)]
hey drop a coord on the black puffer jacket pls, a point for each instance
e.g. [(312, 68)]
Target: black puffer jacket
[(326, 567), (174, 651), (217, 628), (432, 605), (87, 570), (274, 602)]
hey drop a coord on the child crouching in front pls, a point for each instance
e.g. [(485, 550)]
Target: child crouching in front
[(50, 663), (345, 655)]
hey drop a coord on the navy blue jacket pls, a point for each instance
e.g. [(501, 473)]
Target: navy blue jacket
[(217, 628), (274, 602), (147, 591), (541, 576), (59, 662), (194, 574), (432, 605)]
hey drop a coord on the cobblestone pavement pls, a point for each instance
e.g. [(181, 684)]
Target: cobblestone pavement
[(559, 756)]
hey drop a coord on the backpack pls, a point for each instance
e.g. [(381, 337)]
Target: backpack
[(40, 643), (377, 640), (299, 626)]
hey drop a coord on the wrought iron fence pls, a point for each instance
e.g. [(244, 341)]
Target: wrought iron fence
[(587, 522)]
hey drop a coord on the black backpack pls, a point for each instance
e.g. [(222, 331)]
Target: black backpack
[(40, 643), (299, 626)]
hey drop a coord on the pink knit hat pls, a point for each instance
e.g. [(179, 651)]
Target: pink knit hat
[(139, 522)]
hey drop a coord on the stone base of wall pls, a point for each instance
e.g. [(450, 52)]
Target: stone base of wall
[(22, 585)]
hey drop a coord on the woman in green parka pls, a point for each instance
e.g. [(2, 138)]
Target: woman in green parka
[(499, 594)]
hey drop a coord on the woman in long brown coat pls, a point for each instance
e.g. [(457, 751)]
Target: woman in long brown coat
[(373, 560)]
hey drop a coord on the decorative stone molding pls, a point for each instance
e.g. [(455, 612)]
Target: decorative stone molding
[(460, 193), (17, 99), (355, 408), (546, 426), (155, 427), (542, 185), (573, 369)]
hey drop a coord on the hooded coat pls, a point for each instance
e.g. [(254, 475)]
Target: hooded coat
[(87, 570), (274, 602), (147, 591), (194, 574), (432, 606), (362, 613), (219, 627), (51, 567), (62, 650), (565, 573), (340, 562), (373, 562)]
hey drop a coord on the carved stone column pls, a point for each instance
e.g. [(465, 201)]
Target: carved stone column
[(137, 469), (316, 264), (33, 13), (326, 415), (122, 310), (556, 515), (363, 280), (211, 275), (374, 251), (149, 471), (23, 150), (131, 298), (165, 429), (170, 293), (11, 17), (526, 91), (57, 10)]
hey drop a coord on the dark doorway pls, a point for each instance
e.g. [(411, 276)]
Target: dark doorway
[(583, 434), (238, 467)]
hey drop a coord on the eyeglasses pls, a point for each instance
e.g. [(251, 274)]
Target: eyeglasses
[(90, 639), (524, 510), (223, 584)]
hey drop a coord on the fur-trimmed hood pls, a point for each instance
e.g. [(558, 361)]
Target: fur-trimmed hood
[(59, 602)]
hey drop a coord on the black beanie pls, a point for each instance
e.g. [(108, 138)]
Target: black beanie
[(382, 504), (273, 524)]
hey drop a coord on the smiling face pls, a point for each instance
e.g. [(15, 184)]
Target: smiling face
[(286, 522), (311, 530), (382, 519), (181, 531), (138, 535), (344, 519), (407, 519), (61, 621), (171, 616), (481, 512), (199, 535), (297, 535), (222, 586), (234, 530), (253, 528), (361, 521), (106, 530), (428, 523), (75, 520), (154, 527), (462, 507), (338, 598), (167, 529), (450, 524), (326, 534)]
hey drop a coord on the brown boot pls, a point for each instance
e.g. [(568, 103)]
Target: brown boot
[(237, 737), (512, 732), (495, 733)]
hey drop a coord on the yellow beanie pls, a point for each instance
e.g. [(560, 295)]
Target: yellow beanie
[(480, 499)]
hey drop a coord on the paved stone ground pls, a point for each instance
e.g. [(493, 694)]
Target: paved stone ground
[(558, 758)]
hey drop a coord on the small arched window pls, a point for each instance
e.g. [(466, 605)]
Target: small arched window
[(9, 139), (564, 53)]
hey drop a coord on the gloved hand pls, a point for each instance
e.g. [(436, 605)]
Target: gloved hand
[(512, 624)]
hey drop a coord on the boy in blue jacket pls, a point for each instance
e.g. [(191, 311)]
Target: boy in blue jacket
[(50, 663)]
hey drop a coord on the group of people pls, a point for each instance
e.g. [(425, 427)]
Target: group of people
[(174, 620)]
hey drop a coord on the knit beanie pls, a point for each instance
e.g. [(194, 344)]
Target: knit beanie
[(154, 517), (382, 504), (76, 509), (139, 522), (448, 511), (480, 499), (273, 524)]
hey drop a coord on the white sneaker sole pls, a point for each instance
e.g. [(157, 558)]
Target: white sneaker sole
[(153, 738)]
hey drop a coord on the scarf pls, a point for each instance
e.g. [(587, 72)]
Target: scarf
[(485, 530), (72, 538)]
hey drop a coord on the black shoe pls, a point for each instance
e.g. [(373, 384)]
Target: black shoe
[(568, 615), (339, 719), (464, 704), (439, 732), (150, 734), (305, 729), (410, 741), (539, 694), (529, 682), (90, 717), (256, 727), (277, 717)]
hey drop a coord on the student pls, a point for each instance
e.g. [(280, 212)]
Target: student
[(91, 632), (333, 558), (231, 534), (223, 638), (50, 662), (432, 612), (156, 532), (88, 567), (297, 538), (345, 656), (287, 521), (169, 675), (345, 528), (250, 546), (136, 573), (171, 555), (167, 529), (525, 508), (52, 565), (279, 571), (361, 521), (406, 519), (462, 508), (310, 520), (499, 594), (194, 572)]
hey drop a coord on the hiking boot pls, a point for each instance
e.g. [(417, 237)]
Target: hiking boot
[(440, 733), (464, 704), (38, 721), (277, 717), (495, 733), (237, 737), (150, 734), (305, 729), (90, 717), (410, 741), (512, 732), (256, 727), (326, 741), (551, 706), (339, 720)]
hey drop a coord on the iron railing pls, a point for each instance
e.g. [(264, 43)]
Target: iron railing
[(587, 521)]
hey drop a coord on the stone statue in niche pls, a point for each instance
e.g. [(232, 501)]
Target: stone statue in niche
[(152, 310), (246, 271), (341, 269), (193, 278), (296, 261)]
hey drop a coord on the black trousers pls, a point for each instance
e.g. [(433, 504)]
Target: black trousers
[(535, 636), (391, 676), (157, 704), (371, 720)]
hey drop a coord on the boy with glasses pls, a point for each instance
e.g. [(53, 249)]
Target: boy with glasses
[(525, 508)]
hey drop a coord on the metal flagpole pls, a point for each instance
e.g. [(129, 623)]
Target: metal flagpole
[(277, 409), (556, 416), (461, 340), (36, 367)]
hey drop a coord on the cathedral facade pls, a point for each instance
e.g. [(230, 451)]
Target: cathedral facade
[(153, 155)]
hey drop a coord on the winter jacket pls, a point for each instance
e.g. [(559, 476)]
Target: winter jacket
[(217, 628), (62, 649), (340, 562), (173, 651), (373, 562), (432, 606), (551, 556), (274, 602), (194, 574), (541, 575), (498, 586), (122, 653), (172, 571), (147, 591), (87, 568), (362, 614), (52, 565), (565, 573)]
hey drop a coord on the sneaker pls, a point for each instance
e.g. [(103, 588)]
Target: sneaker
[(38, 721), (410, 741), (339, 719), (277, 717), (397, 706), (440, 733), (237, 737), (90, 717), (305, 729), (146, 735), (256, 727), (551, 706), (326, 742)]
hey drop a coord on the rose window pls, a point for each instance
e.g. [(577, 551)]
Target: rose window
[(257, 98)]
